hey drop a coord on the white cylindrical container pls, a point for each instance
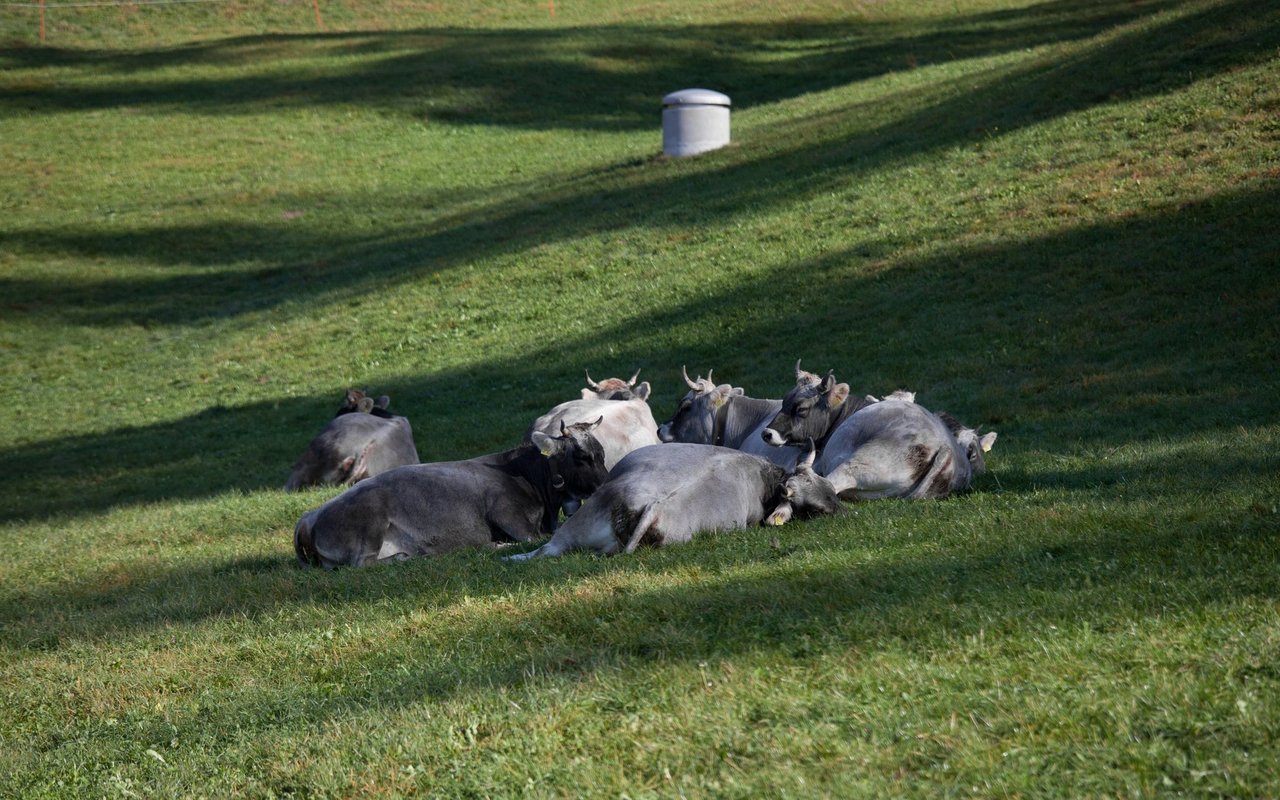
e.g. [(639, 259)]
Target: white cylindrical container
[(694, 121)]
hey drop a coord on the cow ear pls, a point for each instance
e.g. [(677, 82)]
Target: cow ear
[(383, 402), (838, 394), (587, 394), (365, 405), (987, 440), (642, 391), (344, 469), (719, 395), (780, 515), (354, 396), (545, 444)]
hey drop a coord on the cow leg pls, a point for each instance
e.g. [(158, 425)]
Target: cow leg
[(843, 480), (507, 524), (549, 550)]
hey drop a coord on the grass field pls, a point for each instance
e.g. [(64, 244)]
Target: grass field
[(1059, 220)]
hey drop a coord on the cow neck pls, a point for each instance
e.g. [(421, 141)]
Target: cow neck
[(847, 410), (747, 413), (717, 424), (526, 463)]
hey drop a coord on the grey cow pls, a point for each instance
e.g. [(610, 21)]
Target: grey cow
[(428, 509), (362, 441), (813, 409), (667, 494), (626, 424), (896, 448), (723, 415)]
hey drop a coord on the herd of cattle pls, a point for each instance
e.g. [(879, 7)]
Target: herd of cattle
[(723, 461)]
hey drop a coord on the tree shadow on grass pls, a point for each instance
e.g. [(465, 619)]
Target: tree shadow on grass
[(294, 267), (790, 605), (1095, 350), (609, 78)]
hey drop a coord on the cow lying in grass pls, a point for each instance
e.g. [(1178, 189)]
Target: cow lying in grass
[(896, 448), (428, 509), (363, 440), (813, 409), (626, 421), (724, 416), (666, 494)]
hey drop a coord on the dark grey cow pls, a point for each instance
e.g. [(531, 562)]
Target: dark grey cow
[(626, 424), (811, 410), (723, 415), (616, 389), (667, 494), (363, 440), (428, 509), (895, 448)]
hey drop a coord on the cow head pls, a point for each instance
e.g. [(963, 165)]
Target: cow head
[(616, 389), (694, 420), (970, 442), (809, 410), (805, 492), (357, 401), (575, 458)]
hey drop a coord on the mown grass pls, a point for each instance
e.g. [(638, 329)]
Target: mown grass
[(1054, 219)]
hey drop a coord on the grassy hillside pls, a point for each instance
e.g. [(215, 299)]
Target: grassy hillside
[(1057, 220)]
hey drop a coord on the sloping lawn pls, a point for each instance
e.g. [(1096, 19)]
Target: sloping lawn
[(1057, 220)]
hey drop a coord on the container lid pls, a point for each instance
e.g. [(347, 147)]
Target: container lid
[(696, 97)]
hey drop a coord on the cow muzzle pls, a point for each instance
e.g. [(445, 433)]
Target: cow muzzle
[(772, 437)]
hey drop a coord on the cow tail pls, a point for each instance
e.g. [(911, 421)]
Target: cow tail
[(303, 544), (936, 482), (647, 520)]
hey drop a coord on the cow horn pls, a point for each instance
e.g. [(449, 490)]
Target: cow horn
[(632, 382), (592, 385), (799, 372), (810, 453), (685, 372), (713, 383)]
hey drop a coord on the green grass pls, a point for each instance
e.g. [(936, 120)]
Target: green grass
[(1057, 220)]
